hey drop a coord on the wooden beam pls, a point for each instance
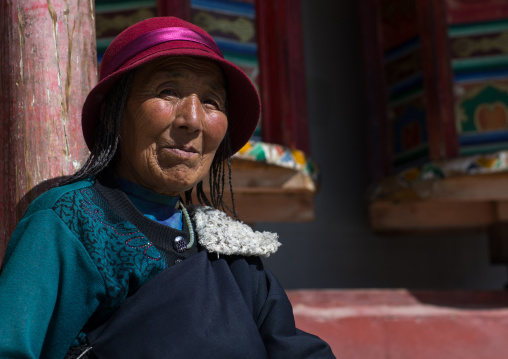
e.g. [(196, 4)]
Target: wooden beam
[(253, 174), (431, 215), (268, 193), (481, 187), (255, 206), (472, 187)]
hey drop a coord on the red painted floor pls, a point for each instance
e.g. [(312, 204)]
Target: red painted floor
[(401, 324)]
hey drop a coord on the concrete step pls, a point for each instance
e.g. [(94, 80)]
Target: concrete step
[(403, 324)]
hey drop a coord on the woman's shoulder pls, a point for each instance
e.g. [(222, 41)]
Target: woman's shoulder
[(219, 233), (48, 199)]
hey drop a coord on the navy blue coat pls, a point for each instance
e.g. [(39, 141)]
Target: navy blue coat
[(207, 307)]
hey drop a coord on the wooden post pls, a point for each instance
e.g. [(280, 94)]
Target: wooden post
[(176, 8), (438, 80), (47, 66), (280, 52), (378, 140)]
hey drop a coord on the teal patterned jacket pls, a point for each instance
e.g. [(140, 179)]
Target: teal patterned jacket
[(83, 249)]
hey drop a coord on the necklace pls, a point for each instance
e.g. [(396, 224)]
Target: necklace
[(189, 225)]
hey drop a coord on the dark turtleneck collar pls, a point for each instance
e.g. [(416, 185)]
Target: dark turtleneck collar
[(162, 236)]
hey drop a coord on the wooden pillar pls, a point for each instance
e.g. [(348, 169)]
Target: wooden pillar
[(281, 61), (378, 138), (437, 79), (47, 66), (176, 8)]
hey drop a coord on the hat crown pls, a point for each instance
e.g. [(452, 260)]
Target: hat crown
[(144, 27)]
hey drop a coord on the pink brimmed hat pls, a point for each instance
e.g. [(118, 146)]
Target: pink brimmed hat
[(159, 37)]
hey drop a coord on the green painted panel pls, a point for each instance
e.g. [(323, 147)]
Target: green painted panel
[(118, 5), (405, 97), (483, 149), (478, 28), (491, 62)]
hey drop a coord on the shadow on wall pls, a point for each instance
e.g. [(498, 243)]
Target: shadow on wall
[(36, 191)]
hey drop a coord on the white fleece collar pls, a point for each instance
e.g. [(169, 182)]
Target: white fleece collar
[(219, 233)]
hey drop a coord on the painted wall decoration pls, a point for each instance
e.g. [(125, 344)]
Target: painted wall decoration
[(482, 117), (480, 48), (479, 58), (483, 108), (114, 16), (409, 132), (436, 79), (404, 80), (279, 155)]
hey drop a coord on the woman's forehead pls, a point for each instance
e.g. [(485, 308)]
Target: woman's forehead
[(185, 66)]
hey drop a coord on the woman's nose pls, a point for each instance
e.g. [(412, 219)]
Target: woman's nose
[(190, 114)]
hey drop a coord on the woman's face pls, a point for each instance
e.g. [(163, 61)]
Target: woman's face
[(172, 125)]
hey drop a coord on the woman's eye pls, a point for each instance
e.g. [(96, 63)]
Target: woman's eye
[(168, 93), (213, 103)]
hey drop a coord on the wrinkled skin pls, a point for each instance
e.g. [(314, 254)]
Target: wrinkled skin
[(174, 121)]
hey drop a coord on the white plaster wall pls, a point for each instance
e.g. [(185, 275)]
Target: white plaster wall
[(338, 250)]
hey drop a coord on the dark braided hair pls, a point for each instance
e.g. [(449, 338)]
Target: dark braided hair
[(107, 136), (107, 133), (217, 180)]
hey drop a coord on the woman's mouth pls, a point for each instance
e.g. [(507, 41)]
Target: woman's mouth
[(185, 152)]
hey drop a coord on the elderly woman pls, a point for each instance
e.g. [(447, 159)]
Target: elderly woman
[(113, 264)]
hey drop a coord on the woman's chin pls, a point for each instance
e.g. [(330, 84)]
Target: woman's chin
[(177, 181)]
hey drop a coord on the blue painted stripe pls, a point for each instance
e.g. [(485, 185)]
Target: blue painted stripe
[(235, 46), (410, 82), (481, 138), (402, 50), (244, 60), (227, 7), (481, 75)]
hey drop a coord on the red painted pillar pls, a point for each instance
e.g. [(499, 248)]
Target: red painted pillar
[(47, 66)]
